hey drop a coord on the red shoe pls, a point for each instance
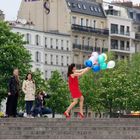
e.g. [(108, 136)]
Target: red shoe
[(81, 116), (67, 115)]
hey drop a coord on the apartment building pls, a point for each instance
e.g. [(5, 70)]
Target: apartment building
[(83, 20), (121, 33), (49, 51)]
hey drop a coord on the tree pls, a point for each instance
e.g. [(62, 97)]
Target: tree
[(134, 73), (58, 90), (12, 55)]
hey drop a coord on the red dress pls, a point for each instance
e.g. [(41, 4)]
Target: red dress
[(74, 87)]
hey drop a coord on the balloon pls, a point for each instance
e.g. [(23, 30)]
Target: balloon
[(95, 54), (93, 59), (111, 64), (88, 63), (101, 59), (96, 68), (103, 66), (105, 56)]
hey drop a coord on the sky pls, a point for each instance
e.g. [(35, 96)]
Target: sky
[(10, 7)]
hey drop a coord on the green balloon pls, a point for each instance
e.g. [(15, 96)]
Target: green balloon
[(103, 66), (101, 59)]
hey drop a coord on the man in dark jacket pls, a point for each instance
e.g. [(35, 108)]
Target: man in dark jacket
[(40, 108), (13, 92)]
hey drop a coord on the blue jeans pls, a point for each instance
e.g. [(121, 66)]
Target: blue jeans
[(29, 105), (41, 111)]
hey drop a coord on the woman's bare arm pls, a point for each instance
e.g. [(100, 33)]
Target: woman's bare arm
[(81, 73)]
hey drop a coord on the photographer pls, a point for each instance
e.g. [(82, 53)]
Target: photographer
[(39, 108)]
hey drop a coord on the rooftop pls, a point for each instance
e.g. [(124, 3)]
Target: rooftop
[(86, 7)]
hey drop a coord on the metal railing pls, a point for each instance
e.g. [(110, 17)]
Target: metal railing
[(81, 28)]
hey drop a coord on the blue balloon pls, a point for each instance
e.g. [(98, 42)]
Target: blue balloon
[(101, 59), (103, 66), (96, 68), (88, 63)]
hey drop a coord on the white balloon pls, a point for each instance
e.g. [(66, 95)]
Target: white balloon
[(95, 54), (111, 64), (93, 59)]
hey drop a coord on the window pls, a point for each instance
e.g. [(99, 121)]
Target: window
[(122, 29), (127, 46), (99, 10), (51, 59), (67, 60), (128, 30), (73, 20), (56, 43), (67, 45), (114, 44), (88, 43), (45, 42), (87, 22), (37, 38), (46, 74), (84, 7), (114, 28), (122, 45), (69, 4), (62, 60), (46, 58), (38, 56), (62, 45), (94, 23), (91, 8), (79, 6), (28, 38), (122, 56), (51, 43), (56, 59), (83, 41), (95, 9), (82, 22)]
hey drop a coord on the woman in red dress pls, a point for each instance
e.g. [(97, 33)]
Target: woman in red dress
[(76, 94)]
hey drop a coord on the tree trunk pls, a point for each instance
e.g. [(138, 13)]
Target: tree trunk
[(100, 115), (86, 111), (53, 114)]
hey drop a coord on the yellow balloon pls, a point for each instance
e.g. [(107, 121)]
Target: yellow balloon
[(105, 56)]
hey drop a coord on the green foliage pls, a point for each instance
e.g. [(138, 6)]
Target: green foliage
[(12, 55), (58, 90), (114, 89)]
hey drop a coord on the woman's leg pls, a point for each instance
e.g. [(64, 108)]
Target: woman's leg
[(27, 107), (30, 106), (81, 104), (75, 101)]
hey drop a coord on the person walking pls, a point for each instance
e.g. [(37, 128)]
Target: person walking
[(13, 93), (28, 87), (76, 94)]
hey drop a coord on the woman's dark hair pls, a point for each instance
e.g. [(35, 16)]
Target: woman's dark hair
[(29, 74), (70, 68)]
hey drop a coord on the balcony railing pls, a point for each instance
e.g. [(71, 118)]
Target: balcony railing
[(114, 47), (83, 47), (80, 28), (121, 48), (120, 33), (86, 48)]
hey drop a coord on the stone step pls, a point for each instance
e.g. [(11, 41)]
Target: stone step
[(44, 128)]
